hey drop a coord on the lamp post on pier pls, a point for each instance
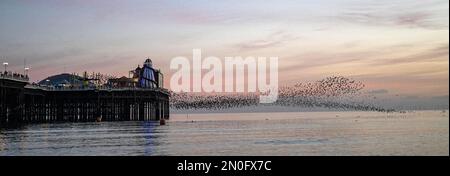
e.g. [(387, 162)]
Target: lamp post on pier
[(6, 65), (26, 71)]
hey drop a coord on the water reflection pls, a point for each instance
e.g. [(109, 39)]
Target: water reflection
[(106, 138), (343, 133), (149, 128)]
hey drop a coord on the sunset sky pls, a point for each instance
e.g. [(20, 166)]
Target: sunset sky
[(393, 46)]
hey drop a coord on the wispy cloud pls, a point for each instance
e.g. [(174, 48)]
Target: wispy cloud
[(370, 57), (272, 40), (438, 52), (411, 14)]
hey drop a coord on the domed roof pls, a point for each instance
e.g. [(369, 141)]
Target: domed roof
[(148, 62), (64, 78)]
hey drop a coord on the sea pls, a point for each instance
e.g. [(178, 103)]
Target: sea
[(340, 133)]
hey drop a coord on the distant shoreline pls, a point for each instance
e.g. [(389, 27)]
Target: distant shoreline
[(268, 109)]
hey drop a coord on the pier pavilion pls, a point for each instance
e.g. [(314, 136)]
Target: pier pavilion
[(22, 102)]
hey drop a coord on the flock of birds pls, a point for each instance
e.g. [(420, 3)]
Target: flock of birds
[(335, 92)]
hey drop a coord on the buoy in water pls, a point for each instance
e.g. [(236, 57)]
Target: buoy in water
[(162, 122)]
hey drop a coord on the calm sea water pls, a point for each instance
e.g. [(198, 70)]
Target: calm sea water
[(305, 133)]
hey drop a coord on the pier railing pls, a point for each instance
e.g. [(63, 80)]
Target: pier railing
[(99, 88), (14, 76)]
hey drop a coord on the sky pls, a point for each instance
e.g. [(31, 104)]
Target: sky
[(396, 47)]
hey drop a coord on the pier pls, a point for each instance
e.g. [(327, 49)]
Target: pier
[(143, 99)]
